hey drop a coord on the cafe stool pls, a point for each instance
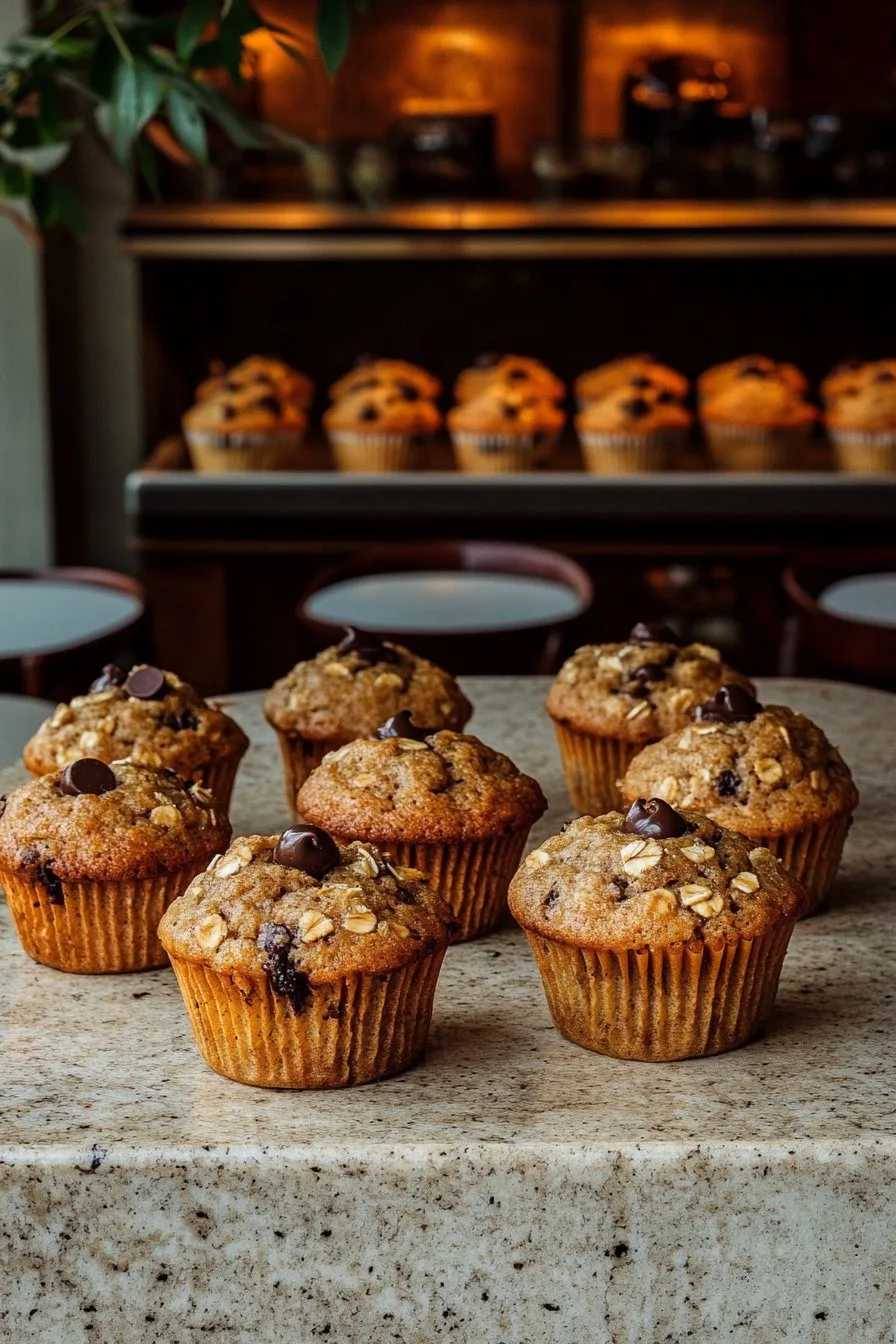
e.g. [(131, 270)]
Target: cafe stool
[(57, 626), (843, 625), (472, 606), (20, 718)]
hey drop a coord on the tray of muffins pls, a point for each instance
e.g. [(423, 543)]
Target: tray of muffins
[(659, 918), (509, 414)]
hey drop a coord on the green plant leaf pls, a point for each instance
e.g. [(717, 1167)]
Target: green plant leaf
[(148, 165), (192, 24), (136, 95), (188, 125), (334, 26)]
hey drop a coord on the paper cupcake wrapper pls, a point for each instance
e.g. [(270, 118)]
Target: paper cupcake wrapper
[(594, 767), (755, 447), (372, 452), (866, 452), (678, 1002), (502, 453), (275, 450), (99, 927), (812, 855), (300, 756), (355, 1030), (622, 454)]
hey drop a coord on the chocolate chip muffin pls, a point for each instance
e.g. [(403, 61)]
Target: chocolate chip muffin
[(749, 367), (347, 691), (378, 429), (261, 373), (768, 772), (610, 700), (148, 716), (861, 417), (659, 934), (638, 427), (504, 429), (435, 800), (371, 375), (91, 856), (305, 963), (634, 371), (248, 429), (508, 371), (757, 421)]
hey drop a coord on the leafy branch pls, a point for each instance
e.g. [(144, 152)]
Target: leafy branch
[(101, 67)]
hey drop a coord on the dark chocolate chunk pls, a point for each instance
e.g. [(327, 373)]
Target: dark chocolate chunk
[(649, 672), (275, 940), (635, 408), (110, 677), (146, 683), (656, 632), (271, 404), (409, 391), (308, 849), (640, 381), (366, 646), (654, 818), (487, 360), (87, 776), (402, 725), (730, 704), (728, 784), (368, 412), (182, 721)]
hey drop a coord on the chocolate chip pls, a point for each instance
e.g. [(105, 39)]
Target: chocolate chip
[(649, 672), (654, 818), (487, 361), (885, 376), (409, 391), (308, 849), (636, 408), (754, 371), (641, 381), (183, 721), (550, 900), (366, 646), (368, 412), (87, 776), (646, 632), (666, 398), (510, 412), (728, 784), (730, 704), (275, 940), (402, 725), (146, 683), (271, 404), (110, 677)]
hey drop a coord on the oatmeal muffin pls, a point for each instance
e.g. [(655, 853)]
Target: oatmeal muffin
[(757, 422), (634, 371), (92, 855), (250, 429), (508, 371), (633, 429), (150, 717), (659, 934), (306, 963), (504, 429), (378, 429), (765, 771), (721, 376), (347, 691), (439, 801), (371, 375), (861, 417), (610, 700), (263, 374)]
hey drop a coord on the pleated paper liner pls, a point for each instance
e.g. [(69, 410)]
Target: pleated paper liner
[(300, 756), (355, 1030), (98, 927), (217, 453), (623, 454), (593, 766), (372, 452), (756, 447), (679, 1002), (500, 454), (865, 451), (813, 855)]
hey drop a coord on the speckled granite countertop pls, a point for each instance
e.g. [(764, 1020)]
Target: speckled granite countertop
[(512, 1189)]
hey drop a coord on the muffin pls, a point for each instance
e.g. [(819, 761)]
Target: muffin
[(722, 376), (379, 428), (659, 935), (370, 375), (609, 700), (503, 429), (861, 417), (262, 373), (767, 772), (245, 430), (304, 963), (438, 801), (632, 429), (757, 422), (509, 371), (150, 717), (634, 371), (347, 691), (91, 856)]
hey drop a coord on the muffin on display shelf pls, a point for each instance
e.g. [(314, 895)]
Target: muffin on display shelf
[(370, 374), (514, 371), (635, 428), (504, 429), (304, 963), (721, 376), (757, 422), (861, 417), (150, 717), (659, 935), (250, 429), (380, 428), (635, 371), (434, 800), (92, 855), (609, 700), (261, 372), (765, 771), (347, 691)]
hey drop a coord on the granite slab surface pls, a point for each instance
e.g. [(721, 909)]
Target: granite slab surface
[(513, 1188)]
